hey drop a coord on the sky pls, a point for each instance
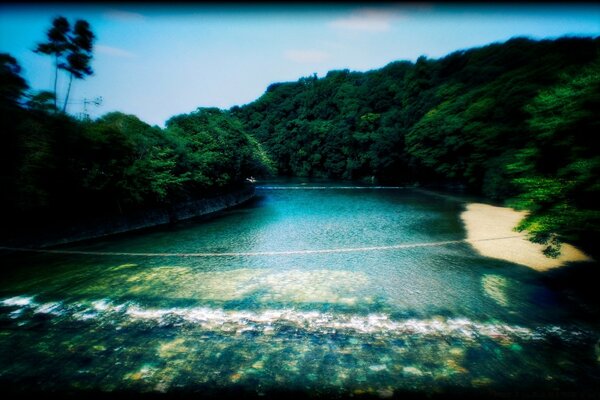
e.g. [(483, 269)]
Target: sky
[(156, 61)]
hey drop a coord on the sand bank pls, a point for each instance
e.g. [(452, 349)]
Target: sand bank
[(483, 221)]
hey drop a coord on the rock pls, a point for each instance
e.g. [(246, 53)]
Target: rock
[(172, 348), (145, 372), (457, 351), (162, 386), (386, 393), (376, 368), (456, 367), (412, 371), (479, 382)]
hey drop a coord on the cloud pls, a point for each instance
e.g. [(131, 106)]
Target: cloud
[(124, 16), (305, 56), (368, 19), (114, 51)]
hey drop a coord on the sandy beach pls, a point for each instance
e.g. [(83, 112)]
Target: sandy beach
[(483, 221)]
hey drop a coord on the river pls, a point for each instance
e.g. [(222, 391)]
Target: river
[(320, 288)]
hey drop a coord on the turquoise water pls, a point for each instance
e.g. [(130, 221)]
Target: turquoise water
[(310, 295)]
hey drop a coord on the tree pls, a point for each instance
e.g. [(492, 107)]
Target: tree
[(497, 120), (72, 51), (42, 101), (79, 55), (558, 173), (12, 89), (56, 45), (12, 85)]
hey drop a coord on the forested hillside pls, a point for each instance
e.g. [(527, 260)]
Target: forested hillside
[(56, 166), (514, 121)]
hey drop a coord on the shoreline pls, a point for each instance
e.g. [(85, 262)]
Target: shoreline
[(483, 221), (94, 228)]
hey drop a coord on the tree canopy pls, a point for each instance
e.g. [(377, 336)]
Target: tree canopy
[(514, 121), (55, 166), (72, 50)]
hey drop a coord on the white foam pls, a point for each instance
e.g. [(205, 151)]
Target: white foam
[(53, 308), (101, 305), (85, 315), (19, 301), (16, 313), (268, 321), (314, 321), (137, 312)]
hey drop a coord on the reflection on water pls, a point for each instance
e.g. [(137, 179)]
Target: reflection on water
[(289, 286), (424, 319), (494, 287)]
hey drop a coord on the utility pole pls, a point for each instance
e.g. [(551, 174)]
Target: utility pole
[(96, 102)]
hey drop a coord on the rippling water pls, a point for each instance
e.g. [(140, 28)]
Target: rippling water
[(290, 307)]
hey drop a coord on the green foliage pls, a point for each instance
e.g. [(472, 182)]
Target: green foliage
[(218, 150), (12, 85), (513, 121), (55, 166), (71, 49), (126, 157), (558, 173), (42, 101)]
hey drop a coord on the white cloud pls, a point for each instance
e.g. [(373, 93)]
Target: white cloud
[(125, 16), (114, 51), (368, 19), (305, 56)]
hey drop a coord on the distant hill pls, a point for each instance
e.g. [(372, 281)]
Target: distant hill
[(515, 120)]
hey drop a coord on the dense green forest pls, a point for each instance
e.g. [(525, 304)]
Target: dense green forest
[(54, 165), (514, 121)]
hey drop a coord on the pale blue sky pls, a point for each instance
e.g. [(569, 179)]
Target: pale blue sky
[(156, 61)]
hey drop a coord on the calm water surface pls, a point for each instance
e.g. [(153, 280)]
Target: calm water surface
[(423, 318)]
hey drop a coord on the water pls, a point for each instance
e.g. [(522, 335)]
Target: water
[(375, 320)]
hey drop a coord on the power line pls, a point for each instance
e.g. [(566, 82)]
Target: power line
[(260, 253)]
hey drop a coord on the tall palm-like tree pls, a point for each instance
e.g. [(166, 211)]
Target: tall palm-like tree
[(57, 44), (72, 51), (79, 55)]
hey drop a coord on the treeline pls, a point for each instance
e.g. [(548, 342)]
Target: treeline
[(515, 121), (55, 166)]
